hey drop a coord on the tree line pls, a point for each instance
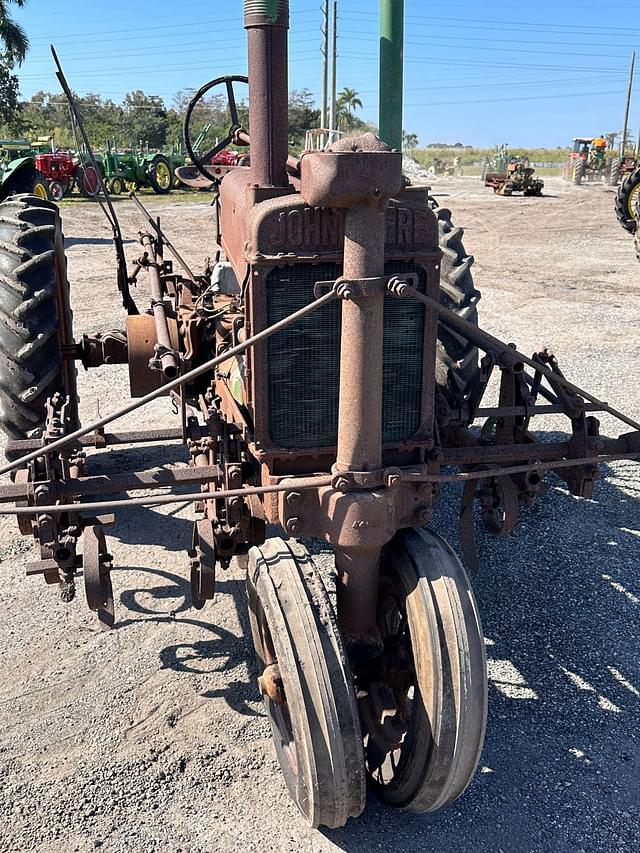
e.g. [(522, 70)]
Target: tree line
[(147, 119)]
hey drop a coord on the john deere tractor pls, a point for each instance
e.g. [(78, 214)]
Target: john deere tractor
[(18, 173), (137, 169)]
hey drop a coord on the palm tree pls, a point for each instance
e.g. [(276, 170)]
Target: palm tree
[(348, 102), (409, 140), (12, 35)]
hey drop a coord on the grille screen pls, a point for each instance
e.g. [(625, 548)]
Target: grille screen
[(304, 359)]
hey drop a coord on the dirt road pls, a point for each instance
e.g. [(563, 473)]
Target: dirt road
[(151, 737)]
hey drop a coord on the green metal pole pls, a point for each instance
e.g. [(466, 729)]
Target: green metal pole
[(391, 71)]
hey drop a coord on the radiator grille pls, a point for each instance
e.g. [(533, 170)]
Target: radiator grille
[(304, 359), (403, 343)]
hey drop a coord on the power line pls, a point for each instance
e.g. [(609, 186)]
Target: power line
[(73, 57), (215, 22), (491, 40), (556, 97)]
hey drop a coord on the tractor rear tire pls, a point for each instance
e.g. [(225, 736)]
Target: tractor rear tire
[(31, 331), (88, 181), (457, 368), (160, 175), (27, 180), (578, 171), (626, 201), (613, 175)]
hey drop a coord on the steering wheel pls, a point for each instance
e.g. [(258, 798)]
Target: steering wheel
[(232, 136)]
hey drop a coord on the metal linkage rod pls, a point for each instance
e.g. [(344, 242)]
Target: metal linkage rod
[(490, 344), (156, 227), (161, 500), (465, 476), (175, 383), (168, 359)]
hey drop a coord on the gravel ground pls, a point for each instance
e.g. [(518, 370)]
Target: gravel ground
[(151, 737)]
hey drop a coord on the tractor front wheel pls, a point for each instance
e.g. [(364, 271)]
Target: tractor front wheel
[(116, 186), (306, 684), (626, 202), (160, 175), (579, 171), (35, 317), (423, 705), (56, 191)]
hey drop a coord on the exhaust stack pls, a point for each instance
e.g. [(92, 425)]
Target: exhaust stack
[(267, 23)]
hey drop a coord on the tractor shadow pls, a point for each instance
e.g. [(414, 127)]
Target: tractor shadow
[(560, 605), (140, 525), (215, 649)]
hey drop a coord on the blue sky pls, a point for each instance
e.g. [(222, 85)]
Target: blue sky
[(480, 73)]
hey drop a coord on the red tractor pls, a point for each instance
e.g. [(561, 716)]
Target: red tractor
[(587, 161), (63, 171), (217, 167)]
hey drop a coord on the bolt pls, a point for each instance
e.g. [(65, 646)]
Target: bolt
[(41, 494), (397, 286), (344, 290), (293, 525), (424, 515), (341, 484), (394, 480)]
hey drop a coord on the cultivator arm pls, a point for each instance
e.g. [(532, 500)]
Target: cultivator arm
[(501, 469)]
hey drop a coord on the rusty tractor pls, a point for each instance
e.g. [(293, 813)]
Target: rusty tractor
[(516, 179), (329, 371)]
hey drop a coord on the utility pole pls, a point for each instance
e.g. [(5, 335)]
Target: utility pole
[(391, 72), (325, 65), (623, 141), (334, 57)]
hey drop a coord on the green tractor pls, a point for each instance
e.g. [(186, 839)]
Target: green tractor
[(139, 169), (18, 173)]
